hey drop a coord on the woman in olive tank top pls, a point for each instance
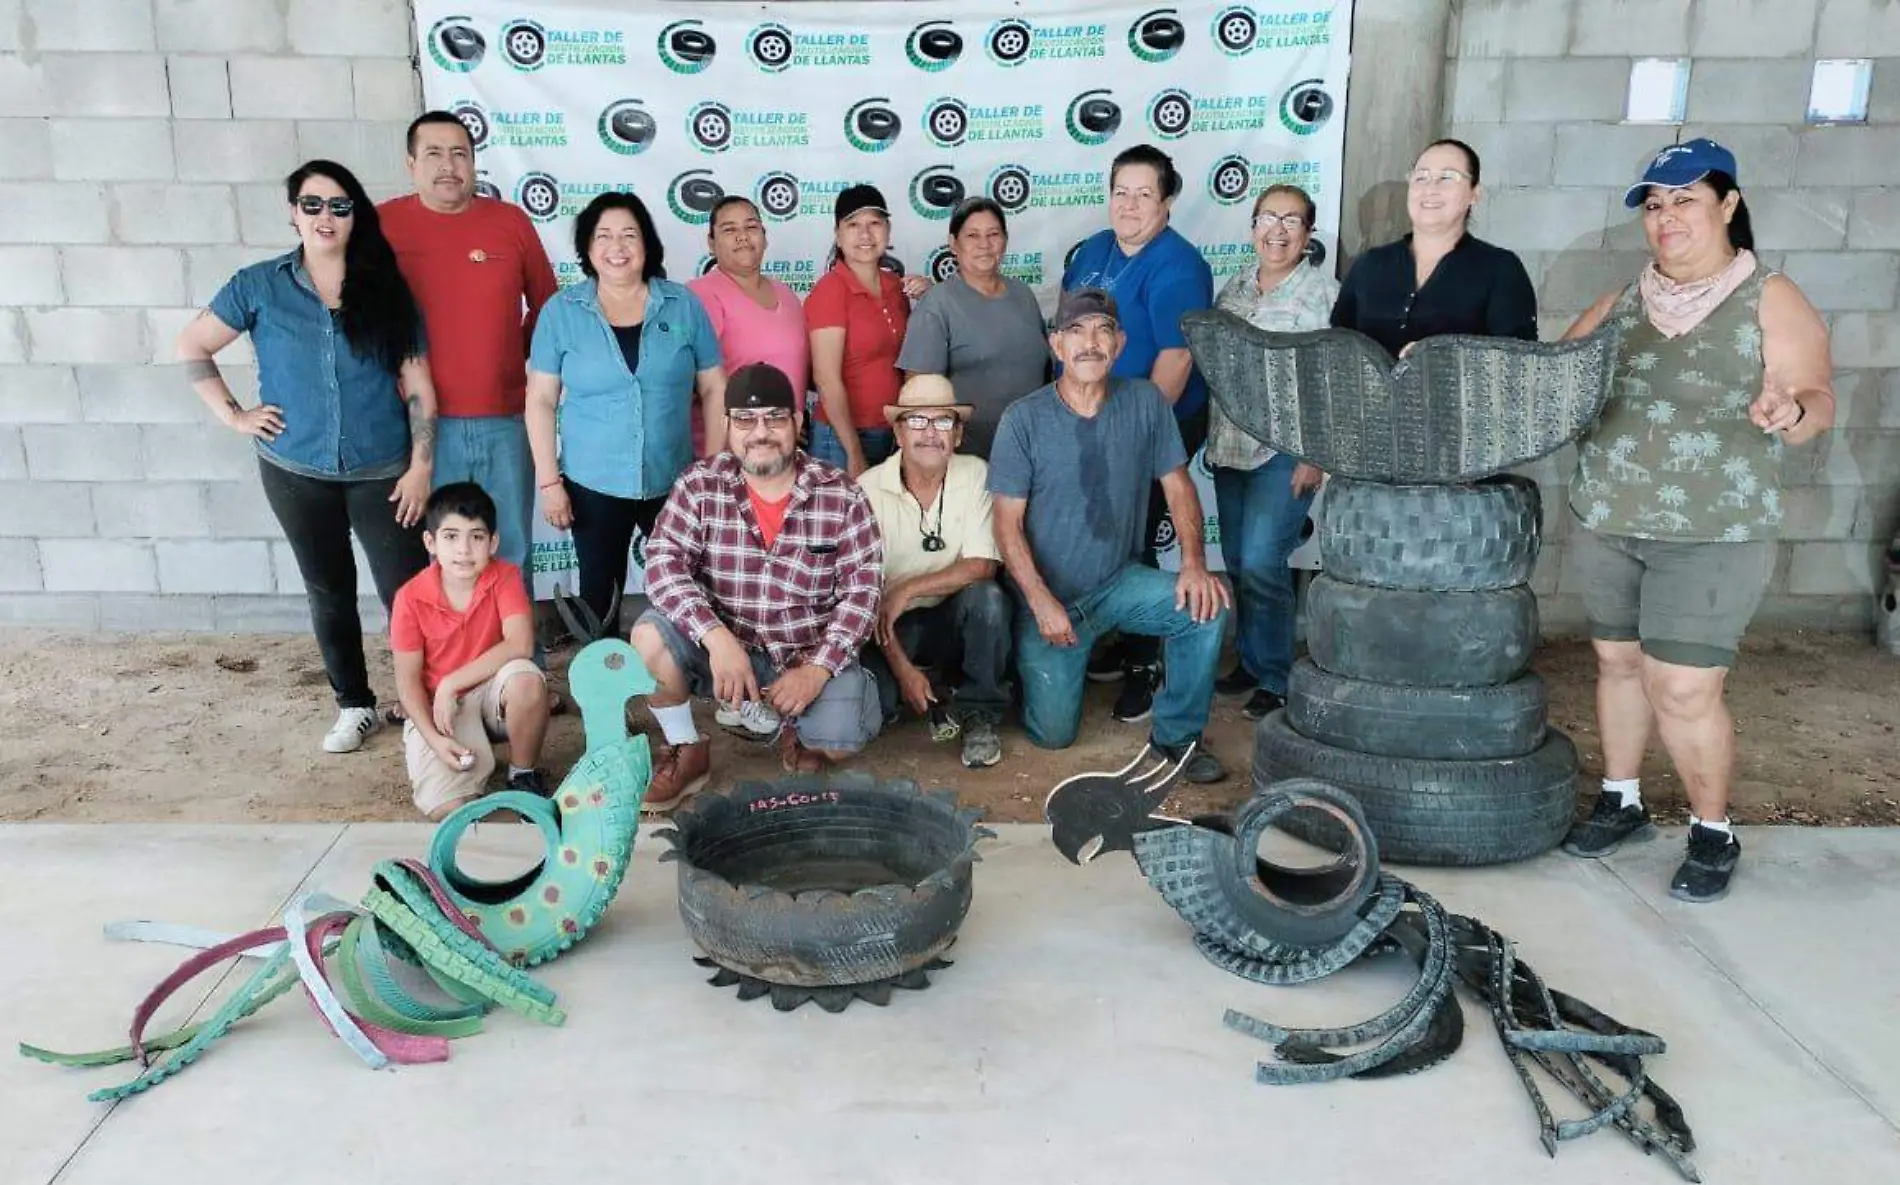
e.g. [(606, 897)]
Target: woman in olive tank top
[(1677, 494)]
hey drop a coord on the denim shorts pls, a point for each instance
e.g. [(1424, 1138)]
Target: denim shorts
[(1687, 603)]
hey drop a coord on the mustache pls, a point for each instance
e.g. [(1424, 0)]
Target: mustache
[(1091, 356)]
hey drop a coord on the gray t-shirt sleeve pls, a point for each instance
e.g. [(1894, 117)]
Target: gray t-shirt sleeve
[(1010, 470), (1164, 433), (927, 339)]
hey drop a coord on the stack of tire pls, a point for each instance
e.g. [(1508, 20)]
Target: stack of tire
[(1416, 695)]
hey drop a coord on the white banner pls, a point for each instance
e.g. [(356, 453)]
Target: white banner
[(931, 102)]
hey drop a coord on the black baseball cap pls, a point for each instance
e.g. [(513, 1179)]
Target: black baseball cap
[(857, 198), (1079, 303), (759, 385)]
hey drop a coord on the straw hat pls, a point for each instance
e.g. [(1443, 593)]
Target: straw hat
[(928, 392)]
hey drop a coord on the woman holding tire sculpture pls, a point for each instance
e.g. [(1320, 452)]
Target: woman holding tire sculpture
[(980, 329), (621, 355), (1440, 278), (1723, 364), (1263, 495)]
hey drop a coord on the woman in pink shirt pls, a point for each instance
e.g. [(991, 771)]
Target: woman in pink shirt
[(756, 319)]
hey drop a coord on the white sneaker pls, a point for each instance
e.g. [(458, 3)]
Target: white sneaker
[(352, 725), (754, 716)]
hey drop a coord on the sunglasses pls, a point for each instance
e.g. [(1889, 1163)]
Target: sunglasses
[(917, 422), (775, 418), (313, 205)]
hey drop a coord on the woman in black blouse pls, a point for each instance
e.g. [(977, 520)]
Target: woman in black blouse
[(1440, 278)]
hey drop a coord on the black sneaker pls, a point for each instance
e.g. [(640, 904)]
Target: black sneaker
[(1105, 664), (1137, 698), (1235, 682), (528, 781), (1705, 871), (1261, 704), (1607, 827), (1201, 768)]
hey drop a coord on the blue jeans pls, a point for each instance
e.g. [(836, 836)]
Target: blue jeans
[(1140, 601), (877, 443), (1260, 523), (492, 451)]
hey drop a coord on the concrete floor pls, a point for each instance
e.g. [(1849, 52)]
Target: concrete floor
[(1077, 1038)]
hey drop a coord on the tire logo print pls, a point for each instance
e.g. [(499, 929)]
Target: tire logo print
[(693, 195), (1092, 118), (539, 194), (933, 46), (770, 47), (710, 126), (626, 127), (1009, 41), (524, 44), (1009, 188), (486, 188), (685, 48), (941, 265), (456, 46), (870, 125), (1235, 30), (1306, 107), (1230, 179), (935, 192), (475, 119), (1157, 36), (1171, 114), (1164, 533), (778, 195), (946, 122)]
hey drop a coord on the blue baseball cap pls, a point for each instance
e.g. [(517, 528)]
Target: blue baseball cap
[(1681, 165)]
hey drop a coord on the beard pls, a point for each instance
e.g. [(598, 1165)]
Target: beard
[(766, 467)]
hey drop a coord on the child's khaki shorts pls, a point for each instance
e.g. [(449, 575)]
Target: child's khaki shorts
[(479, 723)]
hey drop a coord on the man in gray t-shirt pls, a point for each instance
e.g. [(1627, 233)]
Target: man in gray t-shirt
[(1069, 472), (991, 347)]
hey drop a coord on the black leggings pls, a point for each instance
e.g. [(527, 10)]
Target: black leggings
[(318, 517), (603, 534)]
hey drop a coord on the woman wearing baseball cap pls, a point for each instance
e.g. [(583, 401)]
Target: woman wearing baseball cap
[(1723, 363)]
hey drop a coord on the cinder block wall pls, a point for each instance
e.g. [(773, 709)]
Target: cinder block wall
[(142, 143)]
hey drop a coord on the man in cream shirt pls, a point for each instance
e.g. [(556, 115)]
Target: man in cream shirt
[(942, 607)]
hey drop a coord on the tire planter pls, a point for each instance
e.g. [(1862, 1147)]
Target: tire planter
[(823, 882), (1441, 723), (1431, 812), (1420, 639), (1431, 537)]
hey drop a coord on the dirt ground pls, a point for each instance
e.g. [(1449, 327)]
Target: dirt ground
[(208, 728)]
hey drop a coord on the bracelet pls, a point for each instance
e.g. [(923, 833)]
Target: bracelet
[(549, 485)]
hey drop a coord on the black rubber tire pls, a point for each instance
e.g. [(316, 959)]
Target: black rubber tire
[(1443, 813), (1439, 723), (1431, 537), (1420, 639)]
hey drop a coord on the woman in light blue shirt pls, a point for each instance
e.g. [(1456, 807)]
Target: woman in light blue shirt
[(621, 354)]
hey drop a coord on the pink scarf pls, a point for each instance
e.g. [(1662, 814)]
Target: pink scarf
[(1674, 309)]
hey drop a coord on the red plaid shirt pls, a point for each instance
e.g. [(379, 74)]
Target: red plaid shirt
[(810, 597)]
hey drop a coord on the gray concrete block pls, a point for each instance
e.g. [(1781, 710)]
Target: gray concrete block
[(93, 25), (1853, 457), (72, 612), (19, 566), (85, 335), (369, 28), (1883, 98), (119, 84), (1764, 154), (1857, 398), (1858, 29), (1889, 414), (162, 327), (208, 269), (1512, 28), (133, 613), (1805, 219), (1510, 154), (375, 150), (97, 565), (38, 395), (12, 338), (220, 26), (23, 87), (259, 615), (82, 452), (1819, 512), (1837, 568), (214, 566), (1476, 90), (1738, 90), (46, 509), (53, 212), (137, 395), (1559, 89), (259, 150), (26, 149), (200, 87), (1575, 279), (264, 216), (1845, 280), (1874, 220), (12, 454), (1865, 339), (123, 275), (29, 275), (196, 452), (1630, 28), (1602, 154), (238, 510), (182, 214), (386, 89), (1851, 155), (1752, 28), (290, 88), (1543, 219), (151, 510)]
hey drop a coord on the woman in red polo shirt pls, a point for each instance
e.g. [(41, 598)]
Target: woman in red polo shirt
[(857, 314)]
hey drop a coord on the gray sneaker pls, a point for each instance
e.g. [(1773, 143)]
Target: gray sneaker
[(982, 748), (1201, 768)]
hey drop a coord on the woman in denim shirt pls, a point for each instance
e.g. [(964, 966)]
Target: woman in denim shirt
[(345, 423), (621, 354)]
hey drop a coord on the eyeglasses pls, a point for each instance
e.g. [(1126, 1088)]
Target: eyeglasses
[(776, 417), (1421, 178), (310, 203), (1287, 221), (917, 422)]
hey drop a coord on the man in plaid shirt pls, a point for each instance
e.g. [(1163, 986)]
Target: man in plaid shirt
[(764, 572)]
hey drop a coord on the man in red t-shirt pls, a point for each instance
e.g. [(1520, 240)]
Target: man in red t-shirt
[(479, 272)]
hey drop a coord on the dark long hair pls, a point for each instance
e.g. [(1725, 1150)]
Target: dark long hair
[(1741, 230), (379, 315)]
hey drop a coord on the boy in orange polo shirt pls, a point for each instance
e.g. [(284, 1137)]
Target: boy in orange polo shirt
[(462, 632)]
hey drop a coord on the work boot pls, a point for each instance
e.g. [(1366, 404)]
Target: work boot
[(1609, 824), (1235, 682), (1201, 769), (795, 758), (1705, 872), (679, 772), (1261, 704)]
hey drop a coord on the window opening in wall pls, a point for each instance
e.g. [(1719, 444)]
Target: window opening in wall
[(1839, 92), (1659, 90)]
